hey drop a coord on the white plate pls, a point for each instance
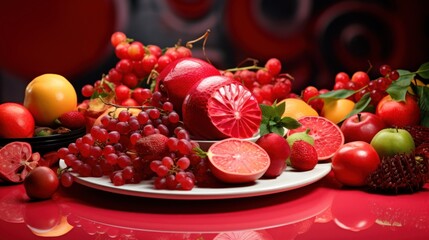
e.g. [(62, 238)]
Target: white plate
[(287, 181)]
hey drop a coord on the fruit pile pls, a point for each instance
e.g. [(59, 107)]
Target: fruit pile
[(152, 124), (146, 117)]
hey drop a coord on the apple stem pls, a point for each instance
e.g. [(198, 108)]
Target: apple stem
[(358, 116), (307, 131)]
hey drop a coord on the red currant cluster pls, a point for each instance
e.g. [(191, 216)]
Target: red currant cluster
[(267, 84), (133, 72), (361, 83)]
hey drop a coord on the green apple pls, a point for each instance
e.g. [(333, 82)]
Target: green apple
[(391, 141)]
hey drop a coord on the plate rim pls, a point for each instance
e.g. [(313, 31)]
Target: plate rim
[(259, 188)]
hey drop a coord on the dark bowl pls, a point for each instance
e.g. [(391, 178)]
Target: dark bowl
[(48, 143)]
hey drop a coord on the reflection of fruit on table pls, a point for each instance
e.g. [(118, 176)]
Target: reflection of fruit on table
[(206, 216)]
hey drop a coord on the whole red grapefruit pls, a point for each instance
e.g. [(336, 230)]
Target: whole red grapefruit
[(178, 77)]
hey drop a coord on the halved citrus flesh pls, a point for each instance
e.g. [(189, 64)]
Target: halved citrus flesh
[(327, 135), (234, 111), (218, 107), (235, 160)]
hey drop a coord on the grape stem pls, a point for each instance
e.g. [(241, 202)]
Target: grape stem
[(204, 37)]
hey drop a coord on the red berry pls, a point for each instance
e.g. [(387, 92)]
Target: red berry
[(342, 77), (360, 79), (273, 66)]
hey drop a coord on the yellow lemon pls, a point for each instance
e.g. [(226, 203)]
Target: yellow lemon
[(297, 108), (337, 109)]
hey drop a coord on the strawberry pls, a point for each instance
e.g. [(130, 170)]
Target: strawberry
[(152, 147), (71, 120), (303, 156)]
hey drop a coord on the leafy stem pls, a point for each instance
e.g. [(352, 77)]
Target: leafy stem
[(274, 122)]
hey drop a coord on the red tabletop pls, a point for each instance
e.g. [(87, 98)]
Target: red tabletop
[(322, 210)]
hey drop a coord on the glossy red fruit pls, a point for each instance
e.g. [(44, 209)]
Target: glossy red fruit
[(360, 78), (16, 121), (153, 146), (16, 161), (397, 113), (219, 107), (41, 183), (353, 162), (279, 151), (361, 127), (178, 77), (72, 120)]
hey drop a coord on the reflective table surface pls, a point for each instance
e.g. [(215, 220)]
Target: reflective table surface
[(322, 210)]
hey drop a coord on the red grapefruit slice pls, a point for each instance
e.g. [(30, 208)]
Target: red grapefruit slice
[(327, 135), (218, 108), (235, 160)]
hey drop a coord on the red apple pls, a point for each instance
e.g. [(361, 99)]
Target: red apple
[(399, 113), (361, 127)]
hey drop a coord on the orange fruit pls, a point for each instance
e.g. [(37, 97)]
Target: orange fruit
[(326, 134), (337, 109), (16, 121), (297, 108), (235, 160), (48, 96), (218, 107)]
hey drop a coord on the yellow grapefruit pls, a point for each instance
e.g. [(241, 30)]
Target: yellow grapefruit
[(48, 96), (297, 108)]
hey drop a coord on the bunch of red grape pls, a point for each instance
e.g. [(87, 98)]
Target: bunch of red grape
[(130, 148), (267, 84), (132, 75)]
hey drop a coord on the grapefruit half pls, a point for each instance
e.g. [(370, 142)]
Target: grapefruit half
[(235, 160), (218, 108), (327, 135)]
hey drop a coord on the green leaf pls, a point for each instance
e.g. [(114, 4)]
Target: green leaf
[(423, 70), (424, 119), (267, 111), (278, 130), (360, 106), (272, 120), (398, 89), (337, 94), (397, 93), (263, 129), (280, 108), (290, 123), (423, 93)]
